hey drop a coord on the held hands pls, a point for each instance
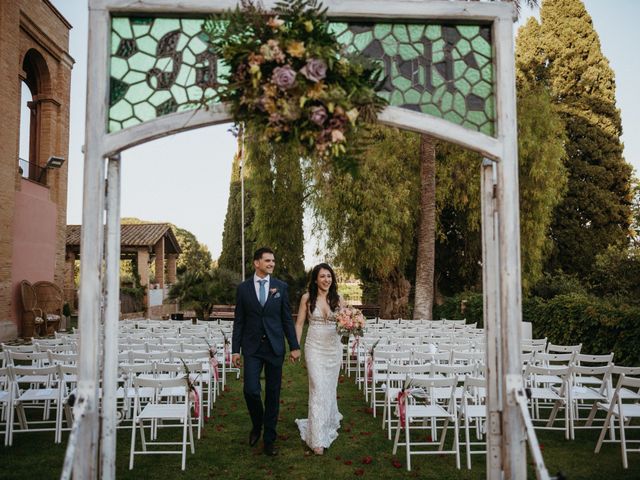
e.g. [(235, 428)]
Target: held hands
[(235, 360), (294, 355)]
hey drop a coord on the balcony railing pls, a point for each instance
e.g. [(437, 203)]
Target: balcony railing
[(32, 171)]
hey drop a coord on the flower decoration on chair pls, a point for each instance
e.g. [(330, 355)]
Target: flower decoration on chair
[(290, 80), (350, 321)]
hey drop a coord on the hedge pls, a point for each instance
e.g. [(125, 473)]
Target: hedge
[(601, 325)]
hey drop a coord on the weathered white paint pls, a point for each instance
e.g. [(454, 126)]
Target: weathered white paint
[(501, 241), (491, 315), (360, 9), (89, 312), (513, 433), (111, 319)]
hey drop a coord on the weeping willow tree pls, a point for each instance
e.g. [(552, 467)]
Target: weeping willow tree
[(369, 217), (542, 180)]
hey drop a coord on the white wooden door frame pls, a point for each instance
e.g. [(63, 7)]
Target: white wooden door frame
[(506, 457)]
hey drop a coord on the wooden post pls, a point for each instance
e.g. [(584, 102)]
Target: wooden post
[(491, 312), (111, 318), (86, 455), (159, 253), (513, 428)]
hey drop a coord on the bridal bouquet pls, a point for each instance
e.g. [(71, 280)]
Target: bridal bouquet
[(350, 321), (290, 78)]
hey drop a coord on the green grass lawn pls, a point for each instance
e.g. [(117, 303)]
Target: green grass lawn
[(361, 449)]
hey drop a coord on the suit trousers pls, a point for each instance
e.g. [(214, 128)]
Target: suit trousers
[(263, 416)]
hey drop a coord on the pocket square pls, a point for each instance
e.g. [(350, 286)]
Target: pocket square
[(277, 295)]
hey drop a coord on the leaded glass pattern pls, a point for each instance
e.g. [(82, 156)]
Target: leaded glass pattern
[(158, 66), (442, 70), (162, 65)]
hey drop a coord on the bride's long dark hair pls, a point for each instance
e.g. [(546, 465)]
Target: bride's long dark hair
[(333, 299)]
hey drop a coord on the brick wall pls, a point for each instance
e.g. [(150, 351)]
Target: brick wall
[(27, 25)]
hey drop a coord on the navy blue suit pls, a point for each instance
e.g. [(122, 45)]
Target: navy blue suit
[(259, 333)]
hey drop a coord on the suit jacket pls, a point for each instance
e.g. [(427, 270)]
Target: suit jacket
[(252, 320)]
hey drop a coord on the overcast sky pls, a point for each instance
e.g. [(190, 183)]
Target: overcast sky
[(184, 179)]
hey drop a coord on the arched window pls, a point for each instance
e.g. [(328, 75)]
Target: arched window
[(35, 86), (26, 120)]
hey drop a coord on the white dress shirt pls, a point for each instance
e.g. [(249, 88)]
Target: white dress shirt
[(257, 285)]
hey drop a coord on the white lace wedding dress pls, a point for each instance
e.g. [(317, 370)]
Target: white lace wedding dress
[(323, 355)]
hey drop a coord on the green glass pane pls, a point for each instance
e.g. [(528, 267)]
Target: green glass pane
[(468, 31), (416, 32), (362, 40), (381, 30), (463, 47), (433, 32), (400, 33), (122, 26), (459, 103), (480, 45)]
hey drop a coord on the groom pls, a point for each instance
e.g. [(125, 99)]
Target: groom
[(262, 320)]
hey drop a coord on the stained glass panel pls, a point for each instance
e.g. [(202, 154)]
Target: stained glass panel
[(162, 65)]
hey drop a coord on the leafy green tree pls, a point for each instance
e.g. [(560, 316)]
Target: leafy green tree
[(563, 54), (369, 217), (201, 290), (542, 180)]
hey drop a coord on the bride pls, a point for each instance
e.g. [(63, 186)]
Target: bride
[(323, 355)]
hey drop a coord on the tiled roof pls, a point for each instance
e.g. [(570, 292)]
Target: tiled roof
[(134, 235)]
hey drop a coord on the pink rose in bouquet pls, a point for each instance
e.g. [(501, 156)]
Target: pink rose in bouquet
[(350, 321)]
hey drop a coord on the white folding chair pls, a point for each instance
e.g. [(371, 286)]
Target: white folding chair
[(154, 411), (474, 409), (41, 393), (624, 410), (541, 382), (417, 405), (7, 396)]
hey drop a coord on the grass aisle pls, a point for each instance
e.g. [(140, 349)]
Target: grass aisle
[(361, 449)]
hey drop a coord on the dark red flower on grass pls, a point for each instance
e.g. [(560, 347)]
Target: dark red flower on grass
[(367, 460), (396, 463), (348, 462), (359, 472)]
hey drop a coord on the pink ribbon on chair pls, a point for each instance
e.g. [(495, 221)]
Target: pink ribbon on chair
[(227, 354), (402, 395), (370, 369), (354, 347), (213, 361), (195, 398)]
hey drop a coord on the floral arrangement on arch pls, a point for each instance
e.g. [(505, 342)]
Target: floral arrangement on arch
[(290, 79), (350, 321)]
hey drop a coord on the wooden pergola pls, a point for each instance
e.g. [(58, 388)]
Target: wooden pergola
[(142, 243)]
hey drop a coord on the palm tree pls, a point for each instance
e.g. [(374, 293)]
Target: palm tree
[(425, 261)]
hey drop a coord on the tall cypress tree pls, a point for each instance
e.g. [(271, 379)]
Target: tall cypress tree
[(231, 255), (563, 53), (277, 199)]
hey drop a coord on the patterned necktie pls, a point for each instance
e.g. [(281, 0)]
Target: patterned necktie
[(263, 292)]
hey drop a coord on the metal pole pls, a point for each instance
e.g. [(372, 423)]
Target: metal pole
[(513, 428), (111, 317), (491, 296), (89, 312), (241, 156)]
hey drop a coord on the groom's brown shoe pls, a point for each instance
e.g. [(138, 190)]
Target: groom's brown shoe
[(270, 450), (254, 436)]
